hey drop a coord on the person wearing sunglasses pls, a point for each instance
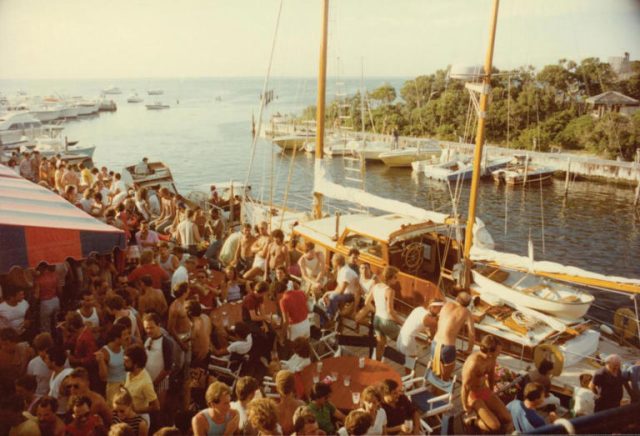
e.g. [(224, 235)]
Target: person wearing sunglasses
[(84, 422)]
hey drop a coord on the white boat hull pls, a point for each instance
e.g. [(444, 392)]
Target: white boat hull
[(404, 157), (555, 307), (47, 115)]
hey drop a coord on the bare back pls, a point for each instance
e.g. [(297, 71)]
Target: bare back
[(452, 318)]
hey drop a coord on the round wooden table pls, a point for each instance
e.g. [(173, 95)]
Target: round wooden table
[(372, 373)]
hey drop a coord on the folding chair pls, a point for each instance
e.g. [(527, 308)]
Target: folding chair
[(226, 369), (427, 402), (355, 341), (323, 343), (390, 354)]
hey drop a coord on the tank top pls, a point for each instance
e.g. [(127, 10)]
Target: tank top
[(215, 429), (93, 318), (310, 266), (116, 373), (380, 300), (167, 265)]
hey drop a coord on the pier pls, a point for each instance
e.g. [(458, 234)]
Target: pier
[(581, 165)]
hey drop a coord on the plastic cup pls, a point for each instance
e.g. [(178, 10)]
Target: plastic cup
[(347, 380), (361, 363), (355, 397), (408, 425), (319, 367)]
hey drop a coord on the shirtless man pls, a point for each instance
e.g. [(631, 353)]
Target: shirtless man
[(312, 270), (200, 340), (244, 256), (167, 210), (258, 250), (151, 298), (179, 325), (477, 395), (453, 316), (277, 253)]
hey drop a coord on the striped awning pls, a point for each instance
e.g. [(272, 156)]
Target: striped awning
[(37, 225)]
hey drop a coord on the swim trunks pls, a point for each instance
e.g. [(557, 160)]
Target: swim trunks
[(447, 354)]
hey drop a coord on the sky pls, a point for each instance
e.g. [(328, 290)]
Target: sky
[(66, 39)]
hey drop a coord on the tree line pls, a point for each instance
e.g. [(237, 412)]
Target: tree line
[(542, 109)]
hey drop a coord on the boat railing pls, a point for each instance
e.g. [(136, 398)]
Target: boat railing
[(616, 420)]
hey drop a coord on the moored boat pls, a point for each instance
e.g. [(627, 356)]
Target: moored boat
[(403, 157), (291, 142), (155, 92), (134, 98), (112, 90), (520, 172), (461, 169), (371, 150), (157, 106)]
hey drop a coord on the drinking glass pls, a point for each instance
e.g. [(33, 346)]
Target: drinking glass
[(334, 375), (355, 397), (316, 378), (347, 380), (319, 367), (361, 362), (408, 424)]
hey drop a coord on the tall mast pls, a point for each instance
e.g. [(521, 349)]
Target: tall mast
[(322, 81), (482, 115)]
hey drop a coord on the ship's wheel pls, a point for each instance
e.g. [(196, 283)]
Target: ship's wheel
[(412, 256)]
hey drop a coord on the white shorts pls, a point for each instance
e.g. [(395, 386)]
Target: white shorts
[(258, 262), (301, 329)]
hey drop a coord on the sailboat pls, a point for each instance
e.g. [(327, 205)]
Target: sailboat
[(528, 305)]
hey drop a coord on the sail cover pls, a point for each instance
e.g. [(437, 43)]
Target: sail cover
[(37, 225)]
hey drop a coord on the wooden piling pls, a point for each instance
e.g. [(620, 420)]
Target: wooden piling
[(566, 179), (526, 169)]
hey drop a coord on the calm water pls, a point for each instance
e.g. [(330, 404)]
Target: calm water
[(206, 140)]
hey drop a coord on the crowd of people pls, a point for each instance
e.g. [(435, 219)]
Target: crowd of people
[(128, 343)]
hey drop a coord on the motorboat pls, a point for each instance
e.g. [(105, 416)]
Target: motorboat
[(371, 150), (52, 142), (107, 105), (157, 106), (47, 113), (87, 107), (520, 172), (291, 142), (134, 98), (16, 128), (402, 157), (461, 169), (68, 112), (155, 92), (112, 90), (533, 291)]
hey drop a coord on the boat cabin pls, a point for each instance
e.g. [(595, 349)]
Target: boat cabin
[(421, 250)]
